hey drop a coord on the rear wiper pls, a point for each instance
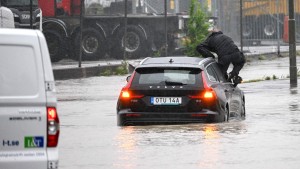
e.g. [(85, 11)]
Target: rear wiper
[(174, 83)]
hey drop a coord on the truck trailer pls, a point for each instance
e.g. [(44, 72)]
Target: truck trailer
[(103, 28), (260, 19)]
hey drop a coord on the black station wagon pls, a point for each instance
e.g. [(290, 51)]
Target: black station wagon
[(178, 89)]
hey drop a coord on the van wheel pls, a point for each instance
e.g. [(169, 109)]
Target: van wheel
[(92, 43), (55, 45)]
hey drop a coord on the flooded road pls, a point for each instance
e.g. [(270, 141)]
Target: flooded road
[(268, 138)]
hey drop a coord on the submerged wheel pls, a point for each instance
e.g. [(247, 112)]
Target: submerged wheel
[(226, 115), (243, 111), (92, 43)]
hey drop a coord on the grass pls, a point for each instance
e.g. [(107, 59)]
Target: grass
[(120, 70), (253, 80), (262, 57), (274, 77)]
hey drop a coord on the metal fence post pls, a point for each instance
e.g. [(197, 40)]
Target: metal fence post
[(31, 8), (241, 23), (81, 28), (278, 35), (166, 31), (125, 27)]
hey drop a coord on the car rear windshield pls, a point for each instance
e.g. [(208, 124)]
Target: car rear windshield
[(167, 76)]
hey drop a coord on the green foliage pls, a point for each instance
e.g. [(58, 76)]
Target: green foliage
[(120, 70), (197, 28), (262, 57), (253, 80), (268, 78)]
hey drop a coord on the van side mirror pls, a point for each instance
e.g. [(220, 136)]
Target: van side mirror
[(128, 77)]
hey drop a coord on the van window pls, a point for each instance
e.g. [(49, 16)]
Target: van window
[(18, 71)]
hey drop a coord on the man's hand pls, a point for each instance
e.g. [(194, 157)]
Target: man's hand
[(204, 51)]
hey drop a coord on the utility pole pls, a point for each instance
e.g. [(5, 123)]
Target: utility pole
[(292, 45)]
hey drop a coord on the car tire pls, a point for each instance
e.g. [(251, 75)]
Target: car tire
[(93, 47), (226, 115), (136, 46), (243, 111), (55, 45)]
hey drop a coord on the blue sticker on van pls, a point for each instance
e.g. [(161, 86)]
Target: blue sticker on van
[(34, 142)]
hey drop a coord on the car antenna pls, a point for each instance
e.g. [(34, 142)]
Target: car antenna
[(171, 60)]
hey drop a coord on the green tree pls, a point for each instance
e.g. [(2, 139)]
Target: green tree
[(197, 28)]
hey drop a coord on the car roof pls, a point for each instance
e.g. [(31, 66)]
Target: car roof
[(175, 61)]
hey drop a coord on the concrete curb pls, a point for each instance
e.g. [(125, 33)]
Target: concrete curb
[(83, 72)]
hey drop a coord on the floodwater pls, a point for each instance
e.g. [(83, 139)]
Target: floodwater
[(268, 138)]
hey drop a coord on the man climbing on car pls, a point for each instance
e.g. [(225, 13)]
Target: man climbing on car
[(226, 50)]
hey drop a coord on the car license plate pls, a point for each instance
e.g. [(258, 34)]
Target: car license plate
[(166, 100)]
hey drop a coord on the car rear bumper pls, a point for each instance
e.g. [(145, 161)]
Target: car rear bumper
[(127, 117)]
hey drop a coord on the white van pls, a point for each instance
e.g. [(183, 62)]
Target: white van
[(29, 124)]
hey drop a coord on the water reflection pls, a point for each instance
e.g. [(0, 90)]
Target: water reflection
[(135, 143), (127, 144), (294, 103)]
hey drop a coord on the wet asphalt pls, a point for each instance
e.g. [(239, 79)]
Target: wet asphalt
[(268, 138)]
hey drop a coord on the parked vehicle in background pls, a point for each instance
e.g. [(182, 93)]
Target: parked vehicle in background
[(103, 29), (22, 13), (178, 90), (260, 20), (29, 123)]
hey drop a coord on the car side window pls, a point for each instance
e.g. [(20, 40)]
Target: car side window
[(211, 74), (219, 72)]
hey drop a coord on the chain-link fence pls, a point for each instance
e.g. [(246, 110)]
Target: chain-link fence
[(264, 23)]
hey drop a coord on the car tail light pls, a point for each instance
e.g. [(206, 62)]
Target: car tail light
[(207, 95), (133, 115), (52, 127), (126, 94), (199, 115)]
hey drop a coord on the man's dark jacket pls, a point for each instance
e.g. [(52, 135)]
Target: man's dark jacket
[(226, 50)]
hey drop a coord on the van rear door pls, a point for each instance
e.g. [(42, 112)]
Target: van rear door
[(23, 119)]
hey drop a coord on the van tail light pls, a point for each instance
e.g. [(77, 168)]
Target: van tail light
[(52, 127)]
